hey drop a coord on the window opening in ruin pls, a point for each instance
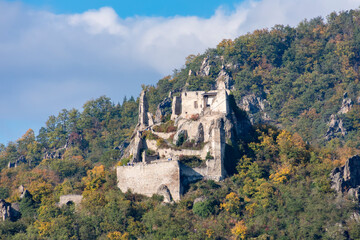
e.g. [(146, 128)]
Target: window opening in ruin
[(195, 104)]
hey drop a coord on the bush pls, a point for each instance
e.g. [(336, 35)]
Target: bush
[(160, 143), (209, 156), (191, 161), (149, 135), (204, 209), (150, 152), (165, 127), (182, 137), (125, 161)]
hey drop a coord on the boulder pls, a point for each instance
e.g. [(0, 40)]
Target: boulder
[(200, 199)]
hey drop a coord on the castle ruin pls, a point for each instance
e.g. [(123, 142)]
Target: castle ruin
[(164, 161)]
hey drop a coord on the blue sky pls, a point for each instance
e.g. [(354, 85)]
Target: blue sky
[(164, 8), (59, 54)]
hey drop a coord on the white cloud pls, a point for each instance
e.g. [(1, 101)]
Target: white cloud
[(51, 61)]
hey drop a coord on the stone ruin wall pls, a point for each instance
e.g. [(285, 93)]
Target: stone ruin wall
[(65, 199), (171, 175), (147, 179)]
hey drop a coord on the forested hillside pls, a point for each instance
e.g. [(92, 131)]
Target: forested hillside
[(300, 86)]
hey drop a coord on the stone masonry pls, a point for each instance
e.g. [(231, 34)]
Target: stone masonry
[(204, 119)]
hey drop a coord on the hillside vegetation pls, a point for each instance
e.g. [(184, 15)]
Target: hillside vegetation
[(281, 186)]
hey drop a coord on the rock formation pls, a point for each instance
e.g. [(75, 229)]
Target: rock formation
[(346, 105), (7, 212), (335, 127), (205, 68), (162, 109), (253, 105), (223, 80), (346, 179)]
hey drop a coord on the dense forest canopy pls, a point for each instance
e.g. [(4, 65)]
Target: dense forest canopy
[(281, 186)]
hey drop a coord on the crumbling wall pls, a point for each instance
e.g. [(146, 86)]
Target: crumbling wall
[(66, 199), (220, 103), (143, 120), (149, 179)]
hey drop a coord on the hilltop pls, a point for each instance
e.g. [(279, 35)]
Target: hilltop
[(297, 90)]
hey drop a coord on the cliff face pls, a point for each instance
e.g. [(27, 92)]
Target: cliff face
[(346, 179), (201, 125)]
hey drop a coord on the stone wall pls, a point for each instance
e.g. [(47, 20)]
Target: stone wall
[(192, 103), (149, 179), (220, 103), (65, 199)]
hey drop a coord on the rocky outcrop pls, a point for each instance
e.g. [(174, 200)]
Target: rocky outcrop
[(253, 104), (223, 80), (21, 159), (346, 105), (205, 67), (336, 126), (7, 212), (345, 180), (162, 109), (24, 193)]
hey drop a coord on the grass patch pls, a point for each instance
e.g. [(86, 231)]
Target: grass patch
[(165, 127)]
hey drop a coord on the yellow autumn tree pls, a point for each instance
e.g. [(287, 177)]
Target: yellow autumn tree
[(94, 179), (117, 236), (232, 203), (282, 174), (239, 230)]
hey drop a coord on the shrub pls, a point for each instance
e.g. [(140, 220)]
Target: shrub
[(160, 143), (149, 135), (204, 209), (150, 152), (191, 161), (125, 161), (182, 137), (165, 127), (209, 156)]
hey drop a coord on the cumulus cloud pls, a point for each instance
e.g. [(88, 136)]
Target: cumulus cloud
[(52, 61)]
